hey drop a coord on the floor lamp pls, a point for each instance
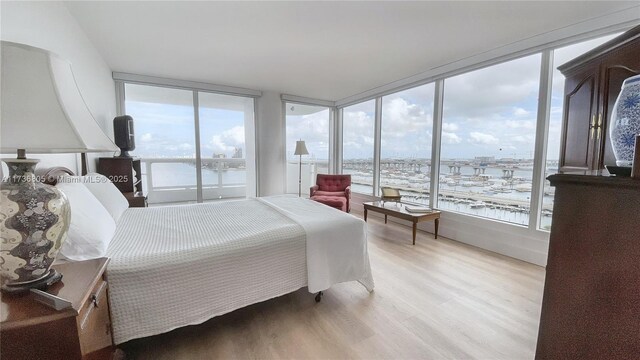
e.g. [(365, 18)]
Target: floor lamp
[(301, 149)]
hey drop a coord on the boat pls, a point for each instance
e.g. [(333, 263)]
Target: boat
[(470, 184), (523, 188), (477, 205)]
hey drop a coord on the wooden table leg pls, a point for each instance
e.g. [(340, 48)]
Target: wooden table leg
[(437, 223), (415, 226), (385, 218), (365, 214)]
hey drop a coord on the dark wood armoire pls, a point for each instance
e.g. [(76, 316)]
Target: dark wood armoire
[(593, 82)]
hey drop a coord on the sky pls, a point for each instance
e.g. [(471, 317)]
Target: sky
[(312, 128), (168, 130), (487, 112)]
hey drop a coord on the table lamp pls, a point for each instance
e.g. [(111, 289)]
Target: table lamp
[(42, 111), (301, 149)]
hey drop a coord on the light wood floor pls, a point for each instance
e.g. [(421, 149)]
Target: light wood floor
[(439, 299)]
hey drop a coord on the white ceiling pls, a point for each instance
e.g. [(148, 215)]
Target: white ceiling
[(323, 50)]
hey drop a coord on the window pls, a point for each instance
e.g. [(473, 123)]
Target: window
[(488, 136), (405, 148), (358, 126), (223, 140), (165, 127), (560, 56), (165, 138), (310, 124)]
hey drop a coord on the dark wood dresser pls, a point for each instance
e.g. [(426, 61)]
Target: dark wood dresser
[(31, 330), (593, 82), (591, 302)]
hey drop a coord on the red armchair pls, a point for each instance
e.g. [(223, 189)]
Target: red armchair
[(333, 190)]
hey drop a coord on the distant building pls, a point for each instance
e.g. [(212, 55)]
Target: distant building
[(237, 153), (219, 156), (485, 159)]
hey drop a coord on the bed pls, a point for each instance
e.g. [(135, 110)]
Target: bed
[(175, 266)]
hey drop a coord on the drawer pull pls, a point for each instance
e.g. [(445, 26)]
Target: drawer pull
[(94, 304)]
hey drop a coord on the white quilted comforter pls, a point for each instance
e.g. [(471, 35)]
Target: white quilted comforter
[(182, 265)]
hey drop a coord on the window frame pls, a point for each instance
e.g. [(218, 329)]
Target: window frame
[(121, 79), (331, 156), (546, 52)]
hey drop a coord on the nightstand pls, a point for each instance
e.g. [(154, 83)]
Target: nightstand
[(136, 199), (126, 175), (31, 330)]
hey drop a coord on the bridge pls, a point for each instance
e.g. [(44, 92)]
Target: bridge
[(424, 166), (470, 197)]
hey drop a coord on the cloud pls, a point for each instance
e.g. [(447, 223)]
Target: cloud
[(400, 118), (520, 124), (450, 127), (518, 111), (482, 138), (313, 129), (450, 138), (407, 119), (524, 139), (495, 89), (146, 137), (226, 142), (358, 132)]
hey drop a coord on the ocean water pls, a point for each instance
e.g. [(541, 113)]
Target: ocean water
[(183, 174), (518, 200)]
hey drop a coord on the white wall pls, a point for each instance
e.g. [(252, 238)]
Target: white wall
[(270, 149), (50, 26)]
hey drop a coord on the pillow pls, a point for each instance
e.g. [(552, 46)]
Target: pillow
[(107, 193), (91, 228)]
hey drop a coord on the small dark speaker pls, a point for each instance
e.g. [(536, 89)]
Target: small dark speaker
[(123, 134)]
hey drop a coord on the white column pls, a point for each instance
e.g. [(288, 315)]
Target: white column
[(542, 134), (436, 140)]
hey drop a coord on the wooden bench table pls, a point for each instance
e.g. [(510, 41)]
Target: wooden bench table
[(398, 210)]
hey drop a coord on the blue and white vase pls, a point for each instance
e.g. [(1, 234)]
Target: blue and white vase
[(625, 121)]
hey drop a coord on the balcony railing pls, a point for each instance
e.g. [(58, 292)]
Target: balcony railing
[(174, 179), (308, 171)]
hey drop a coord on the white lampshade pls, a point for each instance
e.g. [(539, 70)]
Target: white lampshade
[(42, 108), (301, 148)]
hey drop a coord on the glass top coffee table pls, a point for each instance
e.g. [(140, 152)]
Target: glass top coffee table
[(399, 210)]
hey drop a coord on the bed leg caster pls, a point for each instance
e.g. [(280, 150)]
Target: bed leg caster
[(319, 296)]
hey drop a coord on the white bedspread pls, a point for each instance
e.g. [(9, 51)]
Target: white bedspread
[(182, 265), (336, 244)]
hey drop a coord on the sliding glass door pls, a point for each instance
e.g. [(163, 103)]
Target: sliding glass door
[(358, 136), (165, 141), (194, 145), (311, 124), (223, 144), (405, 145)]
